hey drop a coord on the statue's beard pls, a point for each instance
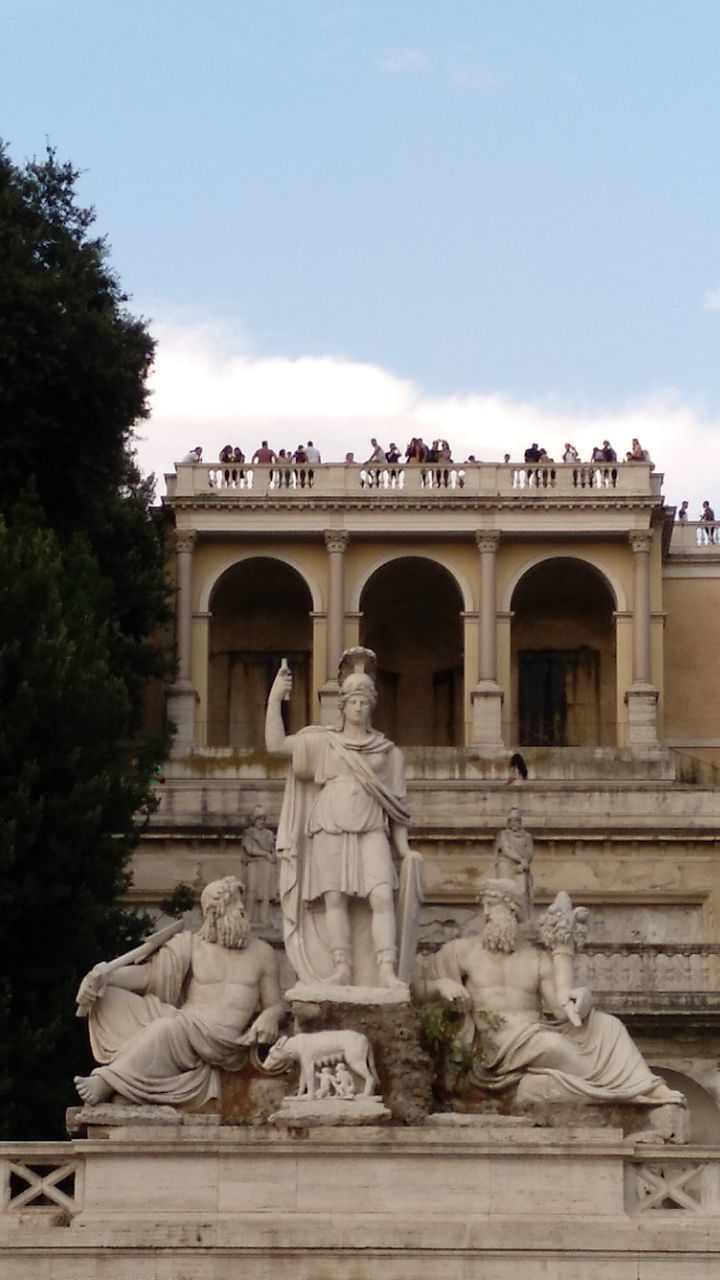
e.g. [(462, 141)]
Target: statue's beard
[(500, 934), (229, 929)]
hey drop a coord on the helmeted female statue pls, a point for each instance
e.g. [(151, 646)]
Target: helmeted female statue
[(342, 828)]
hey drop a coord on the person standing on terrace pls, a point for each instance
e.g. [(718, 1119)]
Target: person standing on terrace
[(708, 517), (264, 453)]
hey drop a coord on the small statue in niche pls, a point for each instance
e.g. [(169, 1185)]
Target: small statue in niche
[(514, 854), (258, 846)]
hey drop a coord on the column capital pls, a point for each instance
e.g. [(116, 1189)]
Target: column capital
[(185, 539), (487, 539), (336, 540), (640, 540)]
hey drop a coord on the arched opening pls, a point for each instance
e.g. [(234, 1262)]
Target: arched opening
[(704, 1113), (563, 657), (260, 613), (412, 619)]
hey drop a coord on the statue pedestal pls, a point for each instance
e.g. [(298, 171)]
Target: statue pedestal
[(641, 701), (301, 1113), (182, 699), (481, 1201), (328, 699), (487, 700), (386, 1017)]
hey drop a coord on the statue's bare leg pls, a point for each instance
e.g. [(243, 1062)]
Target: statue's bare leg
[(337, 918), (92, 1089), (385, 935)]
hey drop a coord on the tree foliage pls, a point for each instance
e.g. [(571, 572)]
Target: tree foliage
[(82, 595)]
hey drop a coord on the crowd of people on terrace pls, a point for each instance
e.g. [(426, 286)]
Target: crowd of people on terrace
[(298, 463), (417, 451)]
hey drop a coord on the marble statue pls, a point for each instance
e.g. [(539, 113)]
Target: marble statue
[(160, 1030), (327, 1086), (314, 1050), (258, 846), (343, 827), (344, 1083), (549, 1037), (514, 855)]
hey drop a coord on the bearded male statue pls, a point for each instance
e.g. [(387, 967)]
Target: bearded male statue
[(548, 1038), (161, 1030)]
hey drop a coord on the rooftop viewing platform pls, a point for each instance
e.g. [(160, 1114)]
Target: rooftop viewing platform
[(241, 483)]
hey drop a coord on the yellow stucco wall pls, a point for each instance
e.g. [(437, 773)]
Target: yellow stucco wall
[(692, 638)]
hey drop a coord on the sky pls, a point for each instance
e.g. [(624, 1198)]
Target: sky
[(491, 221)]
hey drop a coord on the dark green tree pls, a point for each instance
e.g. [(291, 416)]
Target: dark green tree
[(82, 598)]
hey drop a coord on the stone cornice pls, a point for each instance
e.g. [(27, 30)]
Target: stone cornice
[(401, 503)]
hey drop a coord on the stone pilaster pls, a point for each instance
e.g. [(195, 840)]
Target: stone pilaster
[(182, 696), (336, 541), (642, 697), (487, 696)]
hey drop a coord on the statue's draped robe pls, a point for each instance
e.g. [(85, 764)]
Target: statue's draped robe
[(595, 1062), (334, 834), (150, 1050)]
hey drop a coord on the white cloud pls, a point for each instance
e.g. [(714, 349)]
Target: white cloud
[(401, 61), (209, 388), (711, 301)]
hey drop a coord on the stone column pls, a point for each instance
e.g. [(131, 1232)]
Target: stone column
[(182, 696), (487, 696), (336, 541), (642, 696)]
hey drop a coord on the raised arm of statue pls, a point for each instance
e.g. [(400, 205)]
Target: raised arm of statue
[(276, 740)]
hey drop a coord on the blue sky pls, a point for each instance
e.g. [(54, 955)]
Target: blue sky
[(482, 219)]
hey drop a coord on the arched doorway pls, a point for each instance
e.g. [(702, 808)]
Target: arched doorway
[(412, 619), (260, 613), (563, 657)]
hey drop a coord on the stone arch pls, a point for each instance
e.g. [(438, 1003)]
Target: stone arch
[(412, 617), (209, 584), (612, 581), (458, 577), (563, 655), (704, 1113), (260, 611)]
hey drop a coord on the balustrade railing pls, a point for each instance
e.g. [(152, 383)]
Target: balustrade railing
[(648, 967), (692, 535), (673, 1181), (282, 479), (40, 1176)]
